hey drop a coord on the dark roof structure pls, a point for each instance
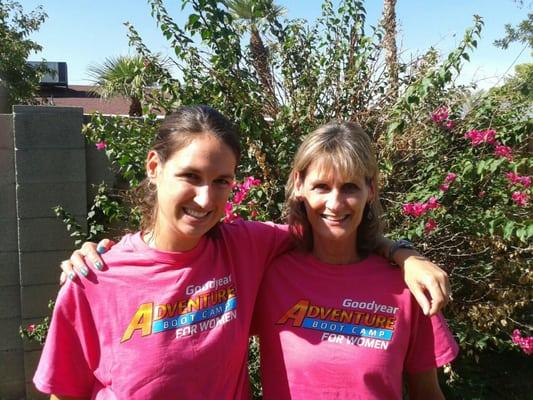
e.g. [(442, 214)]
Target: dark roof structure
[(85, 97)]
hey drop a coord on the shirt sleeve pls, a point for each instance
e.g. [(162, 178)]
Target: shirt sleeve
[(431, 345), (70, 352)]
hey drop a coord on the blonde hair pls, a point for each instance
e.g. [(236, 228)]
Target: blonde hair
[(347, 150)]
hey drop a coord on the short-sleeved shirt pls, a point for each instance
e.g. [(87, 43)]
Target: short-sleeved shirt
[(161, 325), (343, 331)]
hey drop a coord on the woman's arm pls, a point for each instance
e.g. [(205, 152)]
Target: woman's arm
[(422, 277), (424, 386), (76, 262)]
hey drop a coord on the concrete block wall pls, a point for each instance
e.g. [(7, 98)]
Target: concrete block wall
[(50, 170), (12, 379), (44, 162)]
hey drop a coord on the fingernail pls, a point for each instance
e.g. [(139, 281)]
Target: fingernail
[(71, 275), (84, 271), (98, 265), (100, 249)]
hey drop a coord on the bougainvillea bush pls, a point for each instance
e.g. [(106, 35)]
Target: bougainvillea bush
[(456, 164)]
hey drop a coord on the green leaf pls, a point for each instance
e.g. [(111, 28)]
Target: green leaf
[(508, 230)]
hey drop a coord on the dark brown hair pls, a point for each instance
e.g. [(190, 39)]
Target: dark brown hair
[(178, 130)]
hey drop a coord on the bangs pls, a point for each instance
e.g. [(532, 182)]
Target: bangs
[(341, 164)]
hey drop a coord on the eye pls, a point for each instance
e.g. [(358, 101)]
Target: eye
[(320, 187), (189, 177), (350, 187), (223, 182)]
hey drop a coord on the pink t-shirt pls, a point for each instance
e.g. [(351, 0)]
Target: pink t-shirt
[(160, 325), (343, 331)]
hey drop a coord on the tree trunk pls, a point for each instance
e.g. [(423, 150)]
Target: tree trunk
[(261, 65), (389, 43), (136, 109)]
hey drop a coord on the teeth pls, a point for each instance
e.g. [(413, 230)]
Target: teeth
[(334, 218), (195, 214)]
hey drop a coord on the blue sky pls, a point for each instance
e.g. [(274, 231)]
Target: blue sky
[(84, 32)]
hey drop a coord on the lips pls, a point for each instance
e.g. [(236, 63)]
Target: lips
[(194, 213), (335, 218)]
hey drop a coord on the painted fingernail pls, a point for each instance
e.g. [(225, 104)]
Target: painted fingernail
[(100, 249), (98, 265), (71, 275), (84, 271)]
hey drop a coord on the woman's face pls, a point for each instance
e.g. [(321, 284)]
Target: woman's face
[(334, 205), (193, 186)]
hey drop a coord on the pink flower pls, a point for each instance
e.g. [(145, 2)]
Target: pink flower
[(239, 196), (520, 198), (512, 177), (253, 213), (30, 328), (432, 203), (481, 194), (449, 124), (250, 182), (444, 187), (525, 343), (439, 115), (230, 216), (101, 145), (450, 177), (518, 180), (418, 209), (430, 225), (414, 209), (479, 137), (503, 151)]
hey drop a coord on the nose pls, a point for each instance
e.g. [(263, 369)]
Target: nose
[(334, 200), (203, 196)]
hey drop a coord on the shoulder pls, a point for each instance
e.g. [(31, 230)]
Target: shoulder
[(255, 234), (242, 227)]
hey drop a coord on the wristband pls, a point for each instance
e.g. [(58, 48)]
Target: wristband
[(400, 244)]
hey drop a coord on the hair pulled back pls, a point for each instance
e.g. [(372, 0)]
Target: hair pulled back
[(178, 130)]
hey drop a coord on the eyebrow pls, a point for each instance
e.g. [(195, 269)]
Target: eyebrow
[(199, 172)]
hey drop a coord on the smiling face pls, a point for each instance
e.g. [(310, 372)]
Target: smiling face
[(193, 186), (334, 206)]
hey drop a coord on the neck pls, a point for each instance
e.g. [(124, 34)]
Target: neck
[(336, 253), (163, 243)]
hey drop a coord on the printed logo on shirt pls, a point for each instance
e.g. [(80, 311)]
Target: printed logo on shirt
[(364, 324), (211, 304)]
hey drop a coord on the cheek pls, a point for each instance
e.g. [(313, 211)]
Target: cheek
[(313, 201)]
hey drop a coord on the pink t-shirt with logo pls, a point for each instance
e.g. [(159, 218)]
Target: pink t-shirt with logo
[(161, 325), (343, 331)]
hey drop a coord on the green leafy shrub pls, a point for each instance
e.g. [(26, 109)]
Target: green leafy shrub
[(455, 164)]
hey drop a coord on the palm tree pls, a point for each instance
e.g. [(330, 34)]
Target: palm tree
[(254, 13), (389, 42), (124, 76)]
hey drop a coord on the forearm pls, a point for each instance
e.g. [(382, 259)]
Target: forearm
[(427, 282), (400, 256)]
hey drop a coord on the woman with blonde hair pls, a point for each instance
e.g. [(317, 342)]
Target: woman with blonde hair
[(335, 320)]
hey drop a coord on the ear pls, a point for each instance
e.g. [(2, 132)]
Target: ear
[(153, 164), (298, 185)]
